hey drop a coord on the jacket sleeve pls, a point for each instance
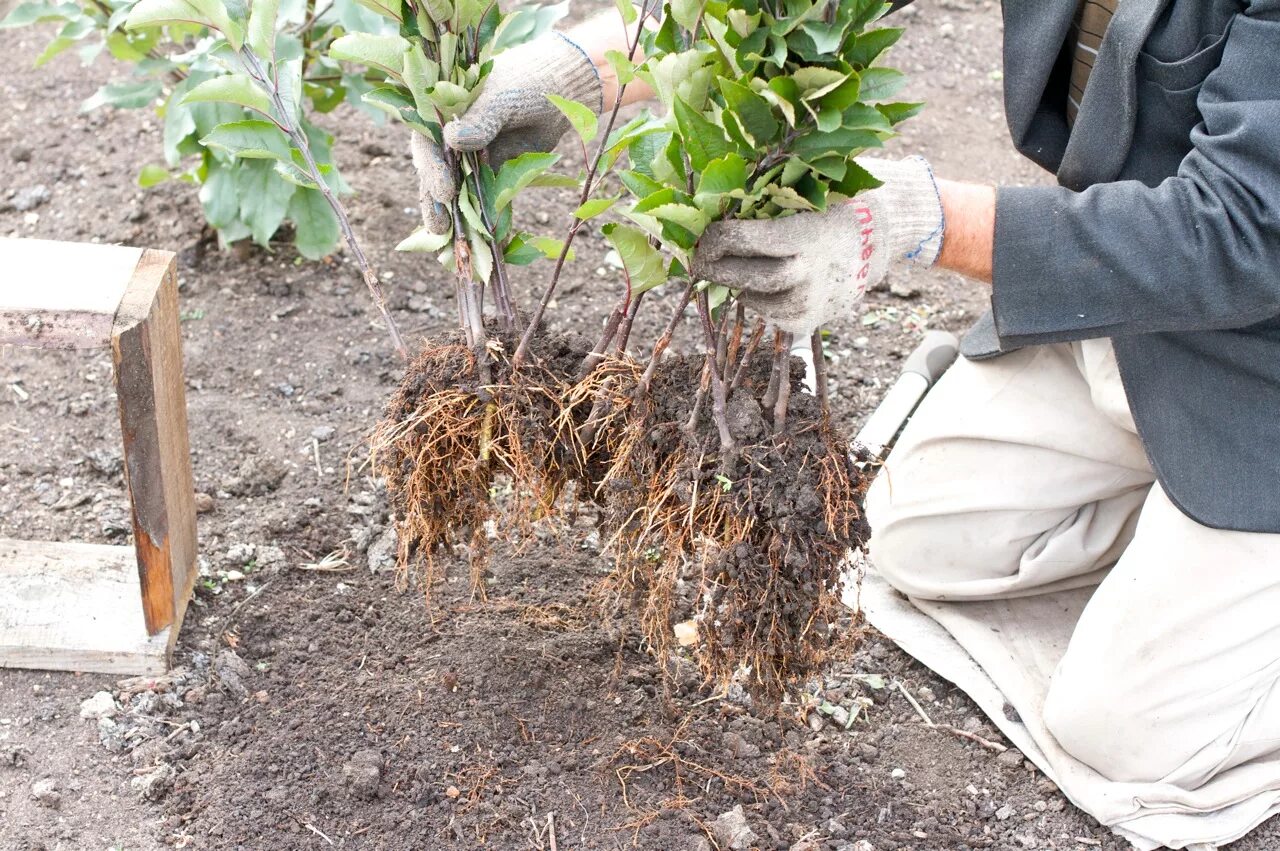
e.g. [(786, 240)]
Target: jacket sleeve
[(1200, 251)]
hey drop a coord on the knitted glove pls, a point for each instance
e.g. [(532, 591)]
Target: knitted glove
[(803, 270), (509, 117)]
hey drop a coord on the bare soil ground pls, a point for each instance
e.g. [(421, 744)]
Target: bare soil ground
[(317, 704)]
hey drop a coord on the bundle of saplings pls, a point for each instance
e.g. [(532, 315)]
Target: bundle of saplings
[(743, 488)]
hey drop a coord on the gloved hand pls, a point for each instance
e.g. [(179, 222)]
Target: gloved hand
[(802, 270), (509, 117)]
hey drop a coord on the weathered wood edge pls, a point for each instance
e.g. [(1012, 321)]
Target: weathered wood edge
[(146, 351)]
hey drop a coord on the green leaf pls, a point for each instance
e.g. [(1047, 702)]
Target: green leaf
[(423, 239), (218, 196), (643, 264), (703, 140), (261, 34), (231, 88), (881, 83), (251, 139), (855, 180), (315, 226), (525, 23), (627, 11), (814, 81), (865, 49), (152, 174), (623, 68), (896, 112), (843, 142), (690, 218), (264, 198), (551, 247), (723, 175), (36, 12), (205, 13), (399, 104), (753, 112), (581, 118), (594, 207), (686, 12), (557, 181), (421, 75), (481, 255), (519, 172), (450, 98), (386, 8), (638, 184), (384, 52), (124, 95)]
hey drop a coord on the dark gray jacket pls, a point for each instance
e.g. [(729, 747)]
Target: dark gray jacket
[(1163, 234)]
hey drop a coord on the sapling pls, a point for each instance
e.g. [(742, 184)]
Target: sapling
[(742, 489)]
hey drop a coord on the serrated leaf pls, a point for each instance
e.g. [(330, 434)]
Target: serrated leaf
[(627, 11), (470, 212), (753, 112), (623, 68), (868, 46), (294, 174), (152, 174), (723, 175), (230, 88), (896, 112), (205, 13), (690, 218), (261, 33), (315, 225), (643, 264), (581, 118), (843, 142), (251, 139), (638, 184), (519, 172), (813, 82), (398, 103), (384, 52), (702, 140), (594, 207), (881, 83), (788, 198)]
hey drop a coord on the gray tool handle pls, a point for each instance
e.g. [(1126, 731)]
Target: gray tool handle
[(936, 352), (920, 370)]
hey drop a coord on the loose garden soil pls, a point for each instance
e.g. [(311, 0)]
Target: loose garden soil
[(321, 703)]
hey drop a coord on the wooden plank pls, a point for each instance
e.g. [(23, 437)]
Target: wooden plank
[(61, 295), (74, 607), (146, 349)]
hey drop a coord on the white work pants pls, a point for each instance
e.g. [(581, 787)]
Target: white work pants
[(1024, 475)]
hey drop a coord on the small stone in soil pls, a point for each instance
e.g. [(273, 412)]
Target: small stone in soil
[(154, 786), (204, 503), (101, 705), (1011, 758), (363, 773), (28, 199), (897, 774), (46, 794), (323, 433), (1004, 812), (732, 831)]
